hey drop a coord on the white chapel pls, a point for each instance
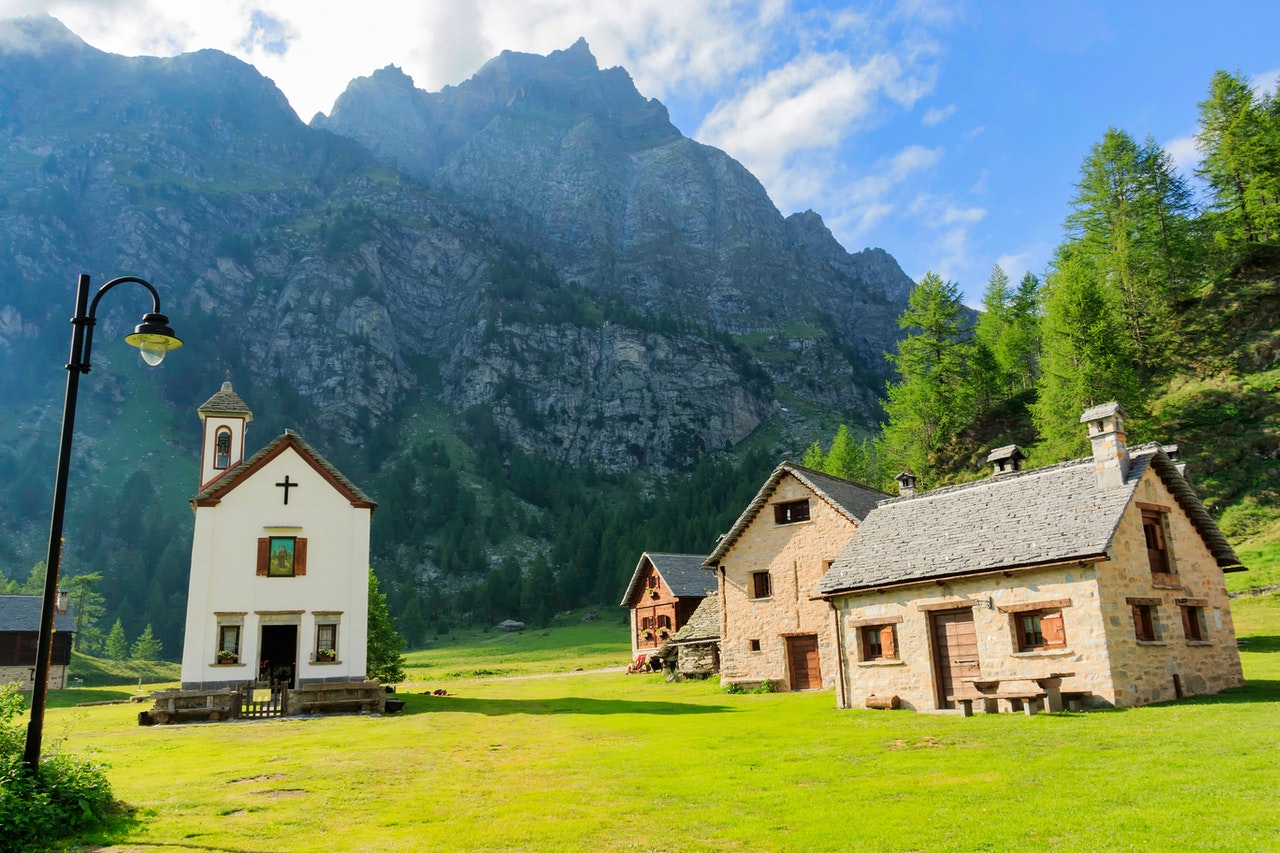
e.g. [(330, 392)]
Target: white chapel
[(279, 586)]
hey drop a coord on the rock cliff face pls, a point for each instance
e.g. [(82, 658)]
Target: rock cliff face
[(538, 241)]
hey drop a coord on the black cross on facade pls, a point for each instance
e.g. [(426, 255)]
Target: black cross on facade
[(286, 485)]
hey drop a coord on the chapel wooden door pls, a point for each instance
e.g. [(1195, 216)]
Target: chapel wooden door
[(955, 653), (802, 656)]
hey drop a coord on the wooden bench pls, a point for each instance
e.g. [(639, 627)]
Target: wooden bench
[(320, 706), (172, 706), (1024, 693)]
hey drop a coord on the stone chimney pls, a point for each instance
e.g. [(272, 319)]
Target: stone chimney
[(1175, 456), (1105, 424), (906, 484), (1006, 460)]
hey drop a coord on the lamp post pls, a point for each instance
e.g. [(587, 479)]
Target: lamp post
[(154, 338)]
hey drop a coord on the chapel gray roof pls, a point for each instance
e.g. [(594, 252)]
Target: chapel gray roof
[(215, 490), (225, 402), (852, 500), (22, 613), (682, 573), (703, 626), (1028, 518)]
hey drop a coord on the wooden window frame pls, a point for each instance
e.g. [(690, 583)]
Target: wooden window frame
[(753, 645), (878, 641), (299, 568), (1039, 629), (1144, 622), (761, 580), (1193, 622), (791, 512), (1155, 534)]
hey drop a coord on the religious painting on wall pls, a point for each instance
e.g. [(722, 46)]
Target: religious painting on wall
[(282, 556)]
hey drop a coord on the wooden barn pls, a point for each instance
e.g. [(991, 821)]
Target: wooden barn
[(664, 592)]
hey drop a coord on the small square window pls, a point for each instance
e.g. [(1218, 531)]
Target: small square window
[(1039, 629), (791, 512), (761, 585), (1144, 625), (754, 645), (879, 642), (1193, 623)]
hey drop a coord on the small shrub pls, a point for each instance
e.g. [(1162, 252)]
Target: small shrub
[(766, 686), (65, 796)]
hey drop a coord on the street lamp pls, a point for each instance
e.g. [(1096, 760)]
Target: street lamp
[(154, 338)]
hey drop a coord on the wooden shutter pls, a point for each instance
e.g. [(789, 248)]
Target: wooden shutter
[(887, 648), (1051, 629), (264, 556), (299, 557)]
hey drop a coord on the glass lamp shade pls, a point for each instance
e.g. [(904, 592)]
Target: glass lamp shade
[(153, 338)]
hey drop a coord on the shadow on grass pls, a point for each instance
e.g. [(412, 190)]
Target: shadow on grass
[(1260, 644), (572, 705)]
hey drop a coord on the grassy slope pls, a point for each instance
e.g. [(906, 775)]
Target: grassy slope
[(606, 761)]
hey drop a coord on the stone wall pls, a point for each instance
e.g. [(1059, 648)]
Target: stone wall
[(698, 660), (911, 676), (797, 555), (24, 675), (1143, 671)]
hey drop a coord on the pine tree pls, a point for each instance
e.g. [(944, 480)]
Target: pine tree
[(116, 646), (383, 661), (931, 402), (146, 647)]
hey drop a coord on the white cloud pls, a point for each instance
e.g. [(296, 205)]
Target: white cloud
[(937, 115), (1185, 153), (1267, 82)]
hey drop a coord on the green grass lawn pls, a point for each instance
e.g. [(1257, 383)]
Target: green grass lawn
[(602, 761)]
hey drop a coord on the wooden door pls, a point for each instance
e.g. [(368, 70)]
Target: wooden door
[(955, 653), (802, 655)]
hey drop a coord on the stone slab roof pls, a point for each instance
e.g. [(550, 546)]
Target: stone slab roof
[(215, 491), (703, 626), (225, 402), (682, 573), (22, 613), (1046, 515), (852, 500)]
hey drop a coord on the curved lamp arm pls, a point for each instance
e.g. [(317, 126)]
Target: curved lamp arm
[(152, 336)]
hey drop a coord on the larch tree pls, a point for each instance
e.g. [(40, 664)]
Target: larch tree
[(932, 399), (1241, 165), (116, 646), (1087, 357), (383, 661)]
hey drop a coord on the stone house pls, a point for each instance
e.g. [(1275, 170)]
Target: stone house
[(664, 591), (1100, 577), (767, 565), (20, 635)]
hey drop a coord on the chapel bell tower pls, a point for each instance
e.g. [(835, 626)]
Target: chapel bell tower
[(225, 417)]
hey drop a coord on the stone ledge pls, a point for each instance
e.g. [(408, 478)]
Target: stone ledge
[(1152, 643), (894, 662), (1042, 653)]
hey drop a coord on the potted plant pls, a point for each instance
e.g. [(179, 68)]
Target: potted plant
[(325, 655), (653, 592), (648, 635), (225, 656)]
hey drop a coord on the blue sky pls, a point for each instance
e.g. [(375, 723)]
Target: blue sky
[(948, 133)]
